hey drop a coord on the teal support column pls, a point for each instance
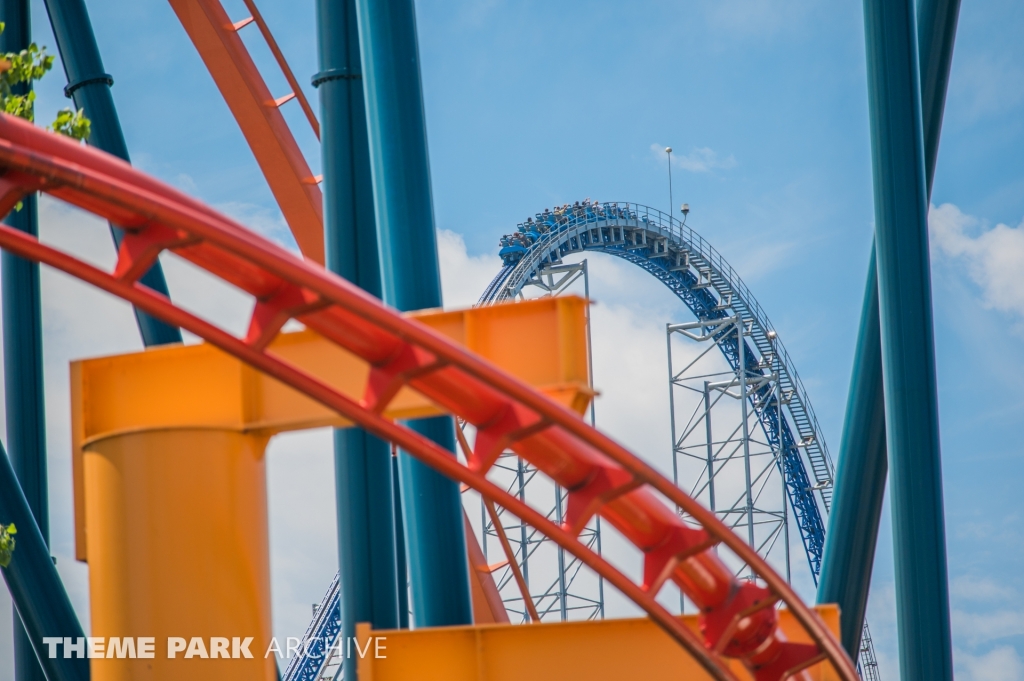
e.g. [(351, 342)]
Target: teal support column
[(364, 479), (434, 535), (908, 348), (936, 33), (41, 603), (23, 353), (89, 87), (431, 504), (400, 560), (860, 477)]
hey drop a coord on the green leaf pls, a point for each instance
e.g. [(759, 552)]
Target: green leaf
[(17, 98), (7, 544), (73, 124)]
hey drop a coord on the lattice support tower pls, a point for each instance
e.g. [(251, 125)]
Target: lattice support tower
[(720, 451)]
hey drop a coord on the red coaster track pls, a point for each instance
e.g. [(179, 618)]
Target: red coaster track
[(738, 617)]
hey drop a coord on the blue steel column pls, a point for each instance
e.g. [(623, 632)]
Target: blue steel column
[(859, 481), (936, 33), (860, 478), (435, 539), (400, 561), (908, 349), (38, 594), (364, 479), (89, 86), (23, 354)]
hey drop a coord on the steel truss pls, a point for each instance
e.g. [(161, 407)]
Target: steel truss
[(704, 394), (719, 452), (714, 292), (557, 587)]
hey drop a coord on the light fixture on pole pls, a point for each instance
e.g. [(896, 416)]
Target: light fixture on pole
[(668, 152)]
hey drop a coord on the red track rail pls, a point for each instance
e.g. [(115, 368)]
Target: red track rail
[(738, 617)]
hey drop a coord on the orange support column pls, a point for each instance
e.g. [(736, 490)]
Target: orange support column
[(170, 483), (177, 527)]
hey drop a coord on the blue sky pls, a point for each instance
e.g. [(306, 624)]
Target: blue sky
[(532, 104)]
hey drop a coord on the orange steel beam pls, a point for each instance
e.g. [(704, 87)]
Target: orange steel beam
[(595, 650), (488, 608), (199, 386), (176, 437), (738, 618), (257, 112)]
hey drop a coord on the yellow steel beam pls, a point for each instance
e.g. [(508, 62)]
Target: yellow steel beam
[(595, 651), (488, 608), (170, 476), (193, 387)]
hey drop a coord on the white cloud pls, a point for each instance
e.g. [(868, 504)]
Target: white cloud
[(699, 160), (303, 527), (979, 636), (1000, 664), (185, 183), (463, 277), (881, 616), (978, 628), (749, 18), (985, 84), (975, 589), (760, 257), (474, 14), (995, 619), (206, 296), (973, 632), (6, 632), (993, 258), (268, 222)]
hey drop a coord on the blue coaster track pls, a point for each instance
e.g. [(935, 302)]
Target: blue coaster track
[(698, 275), (320, 646)]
